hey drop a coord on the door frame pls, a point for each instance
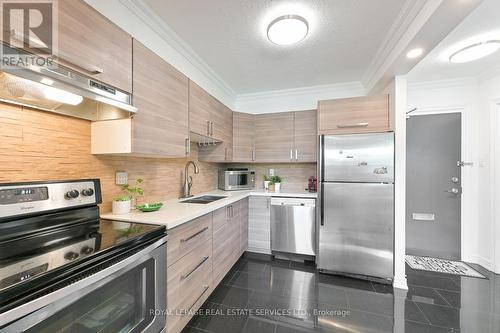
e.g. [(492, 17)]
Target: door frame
[(495, 180), (465, 178)]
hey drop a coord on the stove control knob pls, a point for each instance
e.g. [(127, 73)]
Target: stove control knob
[(86, 250), (71, 255), (73, 194), (88, 192)]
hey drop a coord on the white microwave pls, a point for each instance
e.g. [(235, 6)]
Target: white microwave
[(234, 179)]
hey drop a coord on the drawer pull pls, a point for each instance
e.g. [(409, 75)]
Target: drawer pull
[(185, 276), (205, 288), (184, 240), (353, 125)]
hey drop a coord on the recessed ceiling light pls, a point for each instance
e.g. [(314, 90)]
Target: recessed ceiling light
[(475, 51), (414, 53), (287, 29)]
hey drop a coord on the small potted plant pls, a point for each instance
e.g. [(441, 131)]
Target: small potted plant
[(276, 181), (266, 182), (122, 203)]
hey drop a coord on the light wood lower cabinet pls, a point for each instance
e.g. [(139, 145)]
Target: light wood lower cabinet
[(199, 254), (185, 238), (189, 283), (244, 226), (259, 224)]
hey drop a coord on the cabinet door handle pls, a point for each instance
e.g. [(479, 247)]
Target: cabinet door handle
[(296, 154), (291, 154), (185, 276), (253, 154), (89, 68), (205, 288), (184, 240), (208, 127), (353, 125), (211, 128), (188, 147)]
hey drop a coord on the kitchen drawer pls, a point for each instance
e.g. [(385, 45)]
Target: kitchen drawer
[(354, 115), (188, 236), (189, 283)]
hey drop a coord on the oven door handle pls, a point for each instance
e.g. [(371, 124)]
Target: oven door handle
[(56, 301)]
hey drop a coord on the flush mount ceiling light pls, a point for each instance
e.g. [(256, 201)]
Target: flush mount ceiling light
[(287, 29), (414, 53), (475, 51)]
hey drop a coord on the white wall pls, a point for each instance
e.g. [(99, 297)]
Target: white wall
[(295, 99), (397, 91), (473, 97)]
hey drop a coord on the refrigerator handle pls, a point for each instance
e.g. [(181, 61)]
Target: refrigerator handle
[(321, 221), (320, 180)]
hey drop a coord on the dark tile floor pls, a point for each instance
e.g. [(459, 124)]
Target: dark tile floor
[(263, 295)]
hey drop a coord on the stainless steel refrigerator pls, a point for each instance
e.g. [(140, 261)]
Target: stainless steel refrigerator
[(356, 210)]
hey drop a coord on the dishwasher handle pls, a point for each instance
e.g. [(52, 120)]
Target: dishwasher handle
[(298, 202)]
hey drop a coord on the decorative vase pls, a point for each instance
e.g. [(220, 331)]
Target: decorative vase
[(277, 187), (121, 207), (266, 184)]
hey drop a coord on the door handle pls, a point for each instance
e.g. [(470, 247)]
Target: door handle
[(185, 276), (353, 125), (184, 240), (211, 128), (208, 127), (322, 208), (296, 154), (188, 147), (291, 154), (453, 191)]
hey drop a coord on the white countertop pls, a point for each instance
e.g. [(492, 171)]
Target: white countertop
[(174, 213)]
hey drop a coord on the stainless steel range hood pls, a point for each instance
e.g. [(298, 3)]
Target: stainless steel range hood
[(63, 91)]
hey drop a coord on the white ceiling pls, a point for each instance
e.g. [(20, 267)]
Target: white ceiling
[(230, 36), (483, 21)]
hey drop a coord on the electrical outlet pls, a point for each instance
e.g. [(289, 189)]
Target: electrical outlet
[(121, 178), (271, 172)]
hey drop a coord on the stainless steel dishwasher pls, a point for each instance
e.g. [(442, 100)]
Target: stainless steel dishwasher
[(293, 225)]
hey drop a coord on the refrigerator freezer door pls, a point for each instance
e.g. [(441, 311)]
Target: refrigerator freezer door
[(367, 158), (356, 235)]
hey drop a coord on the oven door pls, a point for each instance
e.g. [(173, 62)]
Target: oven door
[(129, 296)]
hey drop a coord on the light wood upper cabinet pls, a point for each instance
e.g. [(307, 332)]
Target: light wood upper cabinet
[(274, 137), (305, 136), (93, 45), (160, 128), (200, 103), (243, 137), (354, 115), (161, 95)]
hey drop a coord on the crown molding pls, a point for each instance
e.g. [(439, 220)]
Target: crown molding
[(142, 11), (412, 17), (304, 91), (295, 99), (442, 84)]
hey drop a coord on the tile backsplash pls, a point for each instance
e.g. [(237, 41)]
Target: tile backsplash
[(36, 145), (295, 175)]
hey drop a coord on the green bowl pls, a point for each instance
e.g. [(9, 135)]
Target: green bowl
[(150, 207)]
